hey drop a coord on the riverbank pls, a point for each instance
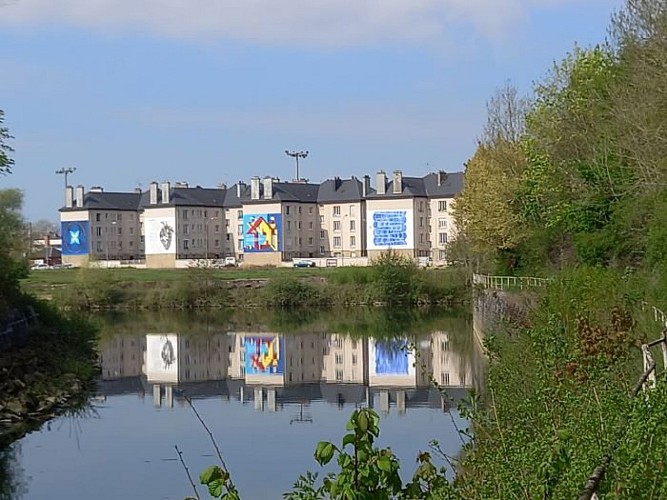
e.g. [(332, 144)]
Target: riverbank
[(136, 289), (51, 372)]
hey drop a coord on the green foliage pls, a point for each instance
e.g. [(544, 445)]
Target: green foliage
[(394, 279), (12, 247), (6, 162), (219, 483), (366, 472), (292, 292)]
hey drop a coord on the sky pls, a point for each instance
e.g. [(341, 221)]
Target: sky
[(213, 91)]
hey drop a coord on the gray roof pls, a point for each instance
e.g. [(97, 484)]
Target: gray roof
[(233, 200), (289, 191), (452, 185), (412, 187), (343, 190), (190, 196), (100, 200)]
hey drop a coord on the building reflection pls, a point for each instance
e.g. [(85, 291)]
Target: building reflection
[(270, 371)]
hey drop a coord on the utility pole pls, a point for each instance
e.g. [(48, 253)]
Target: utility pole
[(66, 171), (296, 155)]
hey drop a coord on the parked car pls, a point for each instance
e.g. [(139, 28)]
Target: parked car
[(36, 267), (304, 263)]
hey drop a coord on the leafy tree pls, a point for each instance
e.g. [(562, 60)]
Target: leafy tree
[(6, 162), (12, 246)]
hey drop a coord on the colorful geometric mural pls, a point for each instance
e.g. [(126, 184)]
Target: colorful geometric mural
[(75, 237), (261, 233), (390, 229), (264, 355)]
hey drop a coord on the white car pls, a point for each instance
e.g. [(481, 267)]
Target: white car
[(36, 267)]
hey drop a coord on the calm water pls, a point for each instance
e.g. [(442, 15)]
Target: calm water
[(269, 387)]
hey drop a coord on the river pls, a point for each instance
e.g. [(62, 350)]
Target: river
[(268, 385)]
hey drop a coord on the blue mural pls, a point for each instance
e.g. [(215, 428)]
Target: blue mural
[(75, 235), (391, 357), (390, 228)]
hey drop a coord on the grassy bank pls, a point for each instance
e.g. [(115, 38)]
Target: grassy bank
[(52, 372), (393, 281)]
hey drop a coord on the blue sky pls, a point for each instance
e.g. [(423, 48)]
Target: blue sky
[(211, 91)]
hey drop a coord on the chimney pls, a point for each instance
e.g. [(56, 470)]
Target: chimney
[(398, 182), (240, 186), (442, 175), (337, 183), (79, 195), (222, 185), (268, 188), (96, 189), (181, 184), (366, 186), (381, 181), (137, 190), (254, 188), (69, 196), (152, 197), (166, 188)]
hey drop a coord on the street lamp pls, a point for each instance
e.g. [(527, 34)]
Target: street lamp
[(66, 171), (296, 155)]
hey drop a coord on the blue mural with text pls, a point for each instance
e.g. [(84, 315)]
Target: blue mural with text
[(390, 228), (75, 237), (391, 357)]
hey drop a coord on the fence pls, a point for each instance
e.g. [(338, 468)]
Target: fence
[(508, 282), (647, 381)]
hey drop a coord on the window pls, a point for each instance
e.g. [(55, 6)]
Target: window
[(336, 210), (98, 231), (339, 375), (339, 359), (99, 246), (336, 241), (310, 241), (240, 245), (239, 229), (299, 223), (206, 213), (444, 378), (217, 228), (106, 216), (310, 210), (421, 206), (421, 222), (321, 220), (97, 216), (239, 215), (217, 243), (442, 254), (442, 206), (185, 229), (227, 223), (119, 217), (421, 237), (353, 225), (186, 245), (336, 226), (131, 244), (442, 238), (353, 241), (444, 345), (120, 230), (289, 226), (352, 210), (321, 235), (310, 225), (131, 230), (322, 250), (229, 236), (442, 223), (185, 214), (354, 359), (286, 209), (299, 209)]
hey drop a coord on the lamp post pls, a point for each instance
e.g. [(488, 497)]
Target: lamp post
[(66, 171), (296, 155)]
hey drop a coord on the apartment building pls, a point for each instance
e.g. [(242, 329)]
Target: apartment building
[(342, 217), (100, 225), (266, 222)]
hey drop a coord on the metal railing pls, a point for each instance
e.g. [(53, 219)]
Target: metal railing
[(508, 282)]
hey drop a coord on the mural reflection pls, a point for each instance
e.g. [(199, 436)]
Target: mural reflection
[(272, 370)]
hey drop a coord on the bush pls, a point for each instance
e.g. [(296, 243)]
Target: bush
[(286, 292), (394, 279)]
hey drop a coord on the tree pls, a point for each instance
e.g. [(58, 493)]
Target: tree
[(6, 162)]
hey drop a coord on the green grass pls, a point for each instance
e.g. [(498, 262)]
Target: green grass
[(68, 276)]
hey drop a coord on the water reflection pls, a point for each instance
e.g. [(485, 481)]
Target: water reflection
[(273, 368)]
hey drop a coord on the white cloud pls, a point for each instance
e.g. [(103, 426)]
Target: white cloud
[(318, 23)]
